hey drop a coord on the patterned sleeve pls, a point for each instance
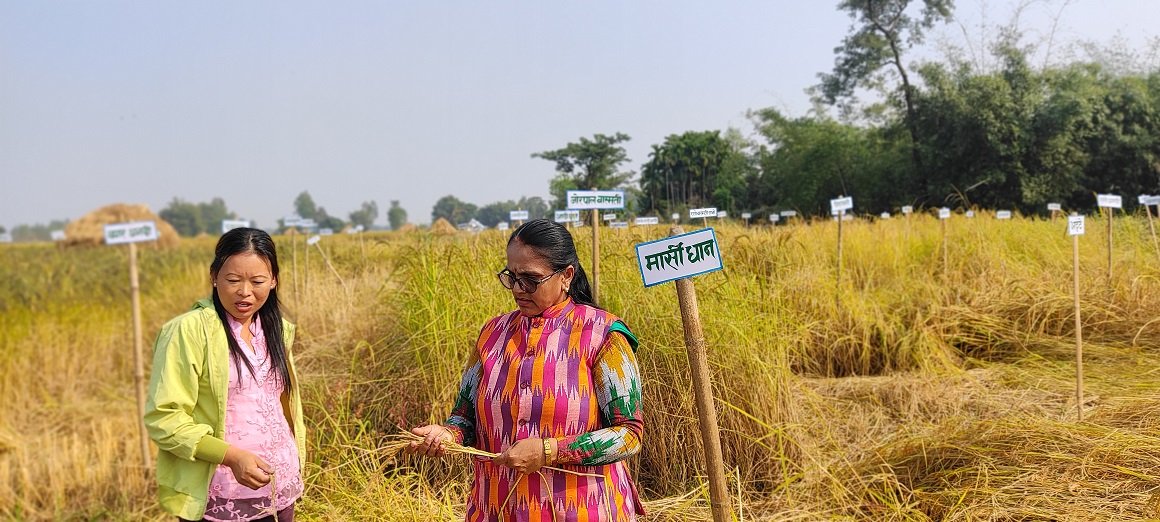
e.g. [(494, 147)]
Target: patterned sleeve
[(462, 419), (618, 394)]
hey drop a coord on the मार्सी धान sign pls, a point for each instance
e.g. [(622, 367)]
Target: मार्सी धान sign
[(678, 257)]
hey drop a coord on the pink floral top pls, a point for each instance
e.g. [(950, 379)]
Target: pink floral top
[(255, 422)]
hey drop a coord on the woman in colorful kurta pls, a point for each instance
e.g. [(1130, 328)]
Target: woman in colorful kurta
[(553, 383), (222, 405)]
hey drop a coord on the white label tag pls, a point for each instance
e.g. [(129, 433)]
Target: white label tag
[(1109, 201), (907, 209), (1075, 225), (134, 232), (1054, 206), (708, 212), (678, 257), (944, 213), (518, 215), (1003, 214), (840, 204)]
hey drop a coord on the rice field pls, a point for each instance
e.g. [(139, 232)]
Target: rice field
[(914, 390)]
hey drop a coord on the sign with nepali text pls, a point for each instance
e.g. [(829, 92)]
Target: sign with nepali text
[(907, 209), (1075, 225), (944, 213), (313, 240), (567, 216), (646, 221), (134, 232), (609, 217), (841, 204), (1054, 207), (230, 224), (774, 218), (502, 225), (788, 213), (57, 235), (722, 213), (708, 212), (595, 199), (518, 215), (1003, 214), (746, 215), (1109, 201), (678, 257)]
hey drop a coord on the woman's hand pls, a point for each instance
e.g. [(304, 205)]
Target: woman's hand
[(249, 469), (434, 435), (525, 456)]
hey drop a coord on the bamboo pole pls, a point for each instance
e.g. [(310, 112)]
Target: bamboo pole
[(138, 355), (696, 347), (1078, 329), (596, 256), (838, 287)]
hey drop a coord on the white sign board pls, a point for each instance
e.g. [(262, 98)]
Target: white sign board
[(722, 214), (5, 238), (134, 232), (1109, 201), (788, 213), (1152, 200), (1075, 225), (646, 221), (502, 225), (944, 213), (884, 215), (57, 235), (307, 223), (313, 239), (1003, 214), (840, 204), (567, 216), (774, 218), (709, 212), (1054, 207), (746, 215), (230, 224), (518, 215), (675, 216), (907, 209), (618, 224), (678, 257), (610, 217), (595, 199), (325, 232), (970, 213)]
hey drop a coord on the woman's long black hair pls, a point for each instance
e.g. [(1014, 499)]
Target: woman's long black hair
[(554, 243), (254, 241)]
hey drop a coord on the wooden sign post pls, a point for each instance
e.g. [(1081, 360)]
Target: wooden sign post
[(518, 217), (133, 233), (1110, 202), (595, 200), (703, 213), (746, 216), (839, 207), (1146, 202), (1075, 229), (680, 257), (944, 215)]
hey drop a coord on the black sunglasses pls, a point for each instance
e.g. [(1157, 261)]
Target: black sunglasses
[(527, 285)]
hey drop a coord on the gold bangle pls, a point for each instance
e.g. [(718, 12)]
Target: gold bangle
[(547, 452)]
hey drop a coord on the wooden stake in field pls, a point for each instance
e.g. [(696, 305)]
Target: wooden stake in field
[(595, 200), (312, 240), (838, 208), (679, 257), (1075, 229), (944, 215), (133, 233), (1110, 202), (1146, 202), (1053, 209), (294, 265)]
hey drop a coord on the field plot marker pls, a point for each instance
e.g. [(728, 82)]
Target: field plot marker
[(838, 207), (1075, 229), (133, 233), (1110, 202), (1147, 201), (944, 215), (680, 257), (595, 200)]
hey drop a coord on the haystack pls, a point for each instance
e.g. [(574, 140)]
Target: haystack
[(89, 230), (442, 228)]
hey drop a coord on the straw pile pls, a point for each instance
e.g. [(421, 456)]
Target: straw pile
[(442, 228), (89, 230)]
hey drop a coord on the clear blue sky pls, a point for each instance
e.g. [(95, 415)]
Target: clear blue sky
[(256, 101)]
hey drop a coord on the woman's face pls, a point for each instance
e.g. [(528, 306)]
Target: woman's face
[(525, 264), (243, 284)]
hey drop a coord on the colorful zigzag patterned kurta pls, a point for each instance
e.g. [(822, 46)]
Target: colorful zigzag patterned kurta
[(568, 374)]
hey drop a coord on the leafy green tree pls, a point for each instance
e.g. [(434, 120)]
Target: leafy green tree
[(305, 207), (396, 215), (212, 214), (588, 165), (184, 216), (365, 215), (325, 220), (453, 210), (883, 30), (36, 232), (695, 169), (497, 212)]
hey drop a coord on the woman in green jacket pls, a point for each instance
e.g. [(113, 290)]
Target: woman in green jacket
[(223, 403)]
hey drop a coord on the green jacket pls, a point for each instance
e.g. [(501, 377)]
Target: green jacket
[(186, 405)]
